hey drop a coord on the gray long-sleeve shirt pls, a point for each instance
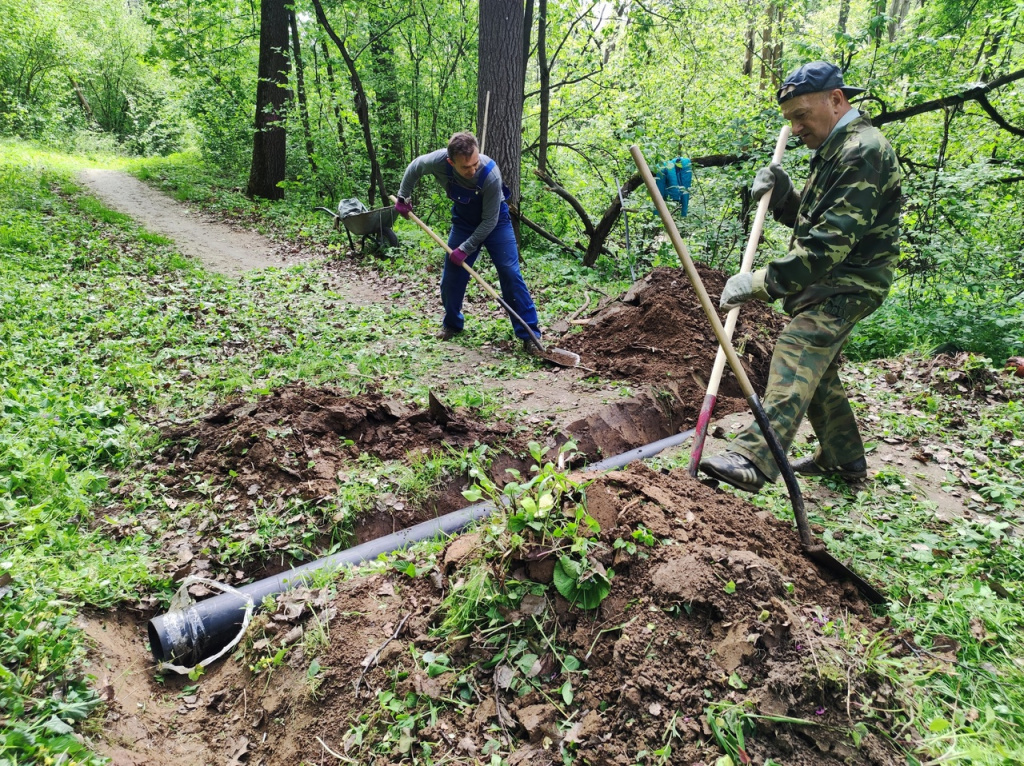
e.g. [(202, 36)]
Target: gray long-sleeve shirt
[(436, 164)]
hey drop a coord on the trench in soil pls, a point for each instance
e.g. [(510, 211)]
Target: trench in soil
[(667, 641)]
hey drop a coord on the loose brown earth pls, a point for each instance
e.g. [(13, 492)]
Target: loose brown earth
[(657, 332), (672, 637)]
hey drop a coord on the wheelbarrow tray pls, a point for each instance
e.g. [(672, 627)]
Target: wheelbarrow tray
[(370, 222)]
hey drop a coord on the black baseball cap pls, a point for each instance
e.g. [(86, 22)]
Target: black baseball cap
[(813, 78)]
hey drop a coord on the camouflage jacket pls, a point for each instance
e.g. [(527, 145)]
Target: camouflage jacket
[(845, 228)]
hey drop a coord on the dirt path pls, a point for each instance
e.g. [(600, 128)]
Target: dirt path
[(221, 248), (547, 394)]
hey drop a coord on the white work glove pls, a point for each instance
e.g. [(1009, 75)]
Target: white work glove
[(772, 178), (738, 290)]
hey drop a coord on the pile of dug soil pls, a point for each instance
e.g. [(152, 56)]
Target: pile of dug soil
[(657, 332), (296, 440), (284, 455), (724, 612)]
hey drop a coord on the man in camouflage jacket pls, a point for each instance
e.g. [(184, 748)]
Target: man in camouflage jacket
[(838, 270)]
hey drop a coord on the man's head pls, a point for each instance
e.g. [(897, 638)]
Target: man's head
[(813, 98), (464, 155)]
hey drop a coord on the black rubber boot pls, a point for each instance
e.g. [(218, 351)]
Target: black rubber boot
[(734, 469), (852, 471)]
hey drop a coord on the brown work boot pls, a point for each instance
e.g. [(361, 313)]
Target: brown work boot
[(530, 347), (734, 469), (447, 333), (852, 471)]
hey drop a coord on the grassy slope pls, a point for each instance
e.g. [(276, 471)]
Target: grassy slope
[(105, 329)]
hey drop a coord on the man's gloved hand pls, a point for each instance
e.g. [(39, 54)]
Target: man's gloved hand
[(457, 256), (403, 207), (738, 290), (772, 178)]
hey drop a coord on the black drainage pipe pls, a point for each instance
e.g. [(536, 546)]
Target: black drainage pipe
[(640, 453), (189, 635)]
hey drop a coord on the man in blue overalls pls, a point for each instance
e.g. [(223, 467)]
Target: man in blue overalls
[(480, 218)]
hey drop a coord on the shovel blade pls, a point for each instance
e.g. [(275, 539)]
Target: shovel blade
[(561, 357), (820, 556)]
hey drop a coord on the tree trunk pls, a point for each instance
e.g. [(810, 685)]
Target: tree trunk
[(775, 75), (748, 55), (877, 24), (844, 16), (332, 90), (269, 140), (898, 15), (500, 74), (361, 104), (766, 46), (385, 85), (82, 99), (300, 90), (544, 68), (527, 29)]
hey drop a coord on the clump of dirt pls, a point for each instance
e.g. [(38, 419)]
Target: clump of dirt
[(657, 332), (722, 612), (296, 440), (284, 456)]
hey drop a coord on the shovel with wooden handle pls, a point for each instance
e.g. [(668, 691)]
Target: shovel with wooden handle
[(813, 550), (701, 430), (558, 356)]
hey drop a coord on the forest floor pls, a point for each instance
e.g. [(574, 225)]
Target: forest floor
[(714, 624)]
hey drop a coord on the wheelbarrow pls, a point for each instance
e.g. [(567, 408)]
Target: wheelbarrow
[(374, 226)]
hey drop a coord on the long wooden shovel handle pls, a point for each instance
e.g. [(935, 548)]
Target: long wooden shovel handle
[(691, 271), (480, 280), (730, 353), (746, 264)]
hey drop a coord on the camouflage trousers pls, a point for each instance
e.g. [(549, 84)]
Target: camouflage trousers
[(804, 380)]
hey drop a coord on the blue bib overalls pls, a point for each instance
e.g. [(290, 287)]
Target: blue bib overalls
[(467, 212)]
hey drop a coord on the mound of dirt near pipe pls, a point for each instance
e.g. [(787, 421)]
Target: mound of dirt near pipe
[(657, 332), (296, 440), (287, 454), (718, 615)]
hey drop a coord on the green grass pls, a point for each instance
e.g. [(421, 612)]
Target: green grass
[(104, 330)]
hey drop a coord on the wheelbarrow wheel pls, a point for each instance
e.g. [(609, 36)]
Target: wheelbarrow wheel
[(379, 242)]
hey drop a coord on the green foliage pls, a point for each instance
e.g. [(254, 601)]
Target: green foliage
[(73, 74), (42, 694), (542, 519), (629, 76), (585, 583)]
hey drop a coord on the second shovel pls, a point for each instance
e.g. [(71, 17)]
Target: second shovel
[(558, 356)]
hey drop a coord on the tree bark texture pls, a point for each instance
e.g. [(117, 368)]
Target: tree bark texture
[(385, 86), (269, 140), (544, 70), (844, 16), (527, 30), (500, 74)]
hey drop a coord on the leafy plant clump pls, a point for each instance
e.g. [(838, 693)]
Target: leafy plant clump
[(546, 517), (42, 693)]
